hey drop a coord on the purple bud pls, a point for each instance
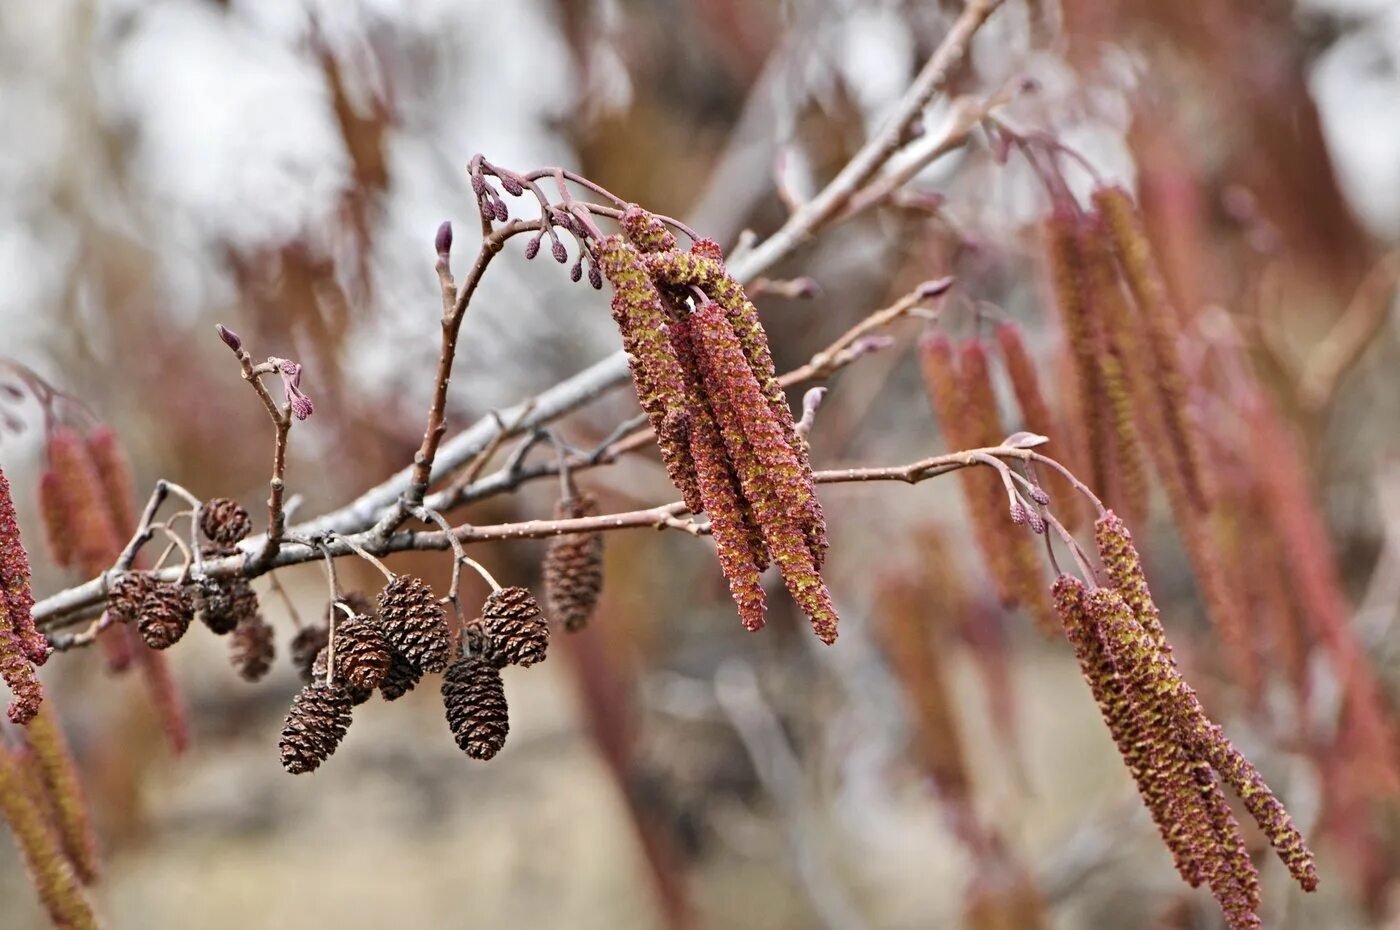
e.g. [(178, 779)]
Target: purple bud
[(532, 248), (1036, 523), (1039, 496), (595, 277), (561, 254), (443, 242), (512, 184), (805, 288), (934, 288), (1018, 513), (230, 338), (302, 406), (479, 186), (576, 272), (498, 209)]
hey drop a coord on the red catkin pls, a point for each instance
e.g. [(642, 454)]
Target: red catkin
[(16, 597)]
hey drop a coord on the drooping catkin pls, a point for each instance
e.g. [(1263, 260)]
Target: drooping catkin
[(911, 640), (981, 491), (642, 320), (58, 776), (738, 544), (1159, 323), (702, 267), (114, 475), (983, 425), (94, 537), (165, 695), (776, 469), (646, 231), (57, 522), (16, 596), (1307, 550), (1036, 417), (18, 673), (1073, 292), (1142, 733), (1121, 363), (49, 870), (573, 566)]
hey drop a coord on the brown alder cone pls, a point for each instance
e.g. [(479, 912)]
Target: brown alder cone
[(362, 656), (58, 776), (414, 623), (126, 595), (166, 613), (318, 677), (253, 647), (315, 725), (402, 677), (573, 567), (515, 627), (306, 643), (49, 870), (223, 603), (474, 699), (224, 521)]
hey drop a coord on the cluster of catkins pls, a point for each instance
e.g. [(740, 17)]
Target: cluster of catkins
[(704, 375), (389, 646), (162, 612), (1176, 755), (22, 647)]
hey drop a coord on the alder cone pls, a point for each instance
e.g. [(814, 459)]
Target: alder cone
[(414, 623), (362, 657), (515, 628), (127, 594), (252, 647), (402, 677), (224, 520), (224, 604), (474, 698), (318, 677), (315, 725), (166, 613), (573, 567), (308, 641)]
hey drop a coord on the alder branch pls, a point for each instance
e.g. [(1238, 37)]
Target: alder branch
[(78, 603)]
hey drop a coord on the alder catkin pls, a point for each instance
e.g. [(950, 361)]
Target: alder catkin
[(59, 777)]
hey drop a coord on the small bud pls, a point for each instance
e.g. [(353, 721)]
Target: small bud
[(576, 272), (934, 288), (595, 276), (443, 242), (1019, 514), (1035, 522), (805, 288), (498, 209), (230, 338), (561, 254), (532, 248), (511, 184), (1039, 496), (479, 186)]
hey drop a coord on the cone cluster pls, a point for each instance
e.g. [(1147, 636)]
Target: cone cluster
[(705, 377)]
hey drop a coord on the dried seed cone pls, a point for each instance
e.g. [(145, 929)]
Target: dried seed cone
[(252, 648), (127, 594), (573, 567), (474, 698), (305, 645), (414, 623), (224, 520), (515, 627), (166, 613), (402, 677), (362, 657), (226, 602), (318, 677), (315, 725)]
